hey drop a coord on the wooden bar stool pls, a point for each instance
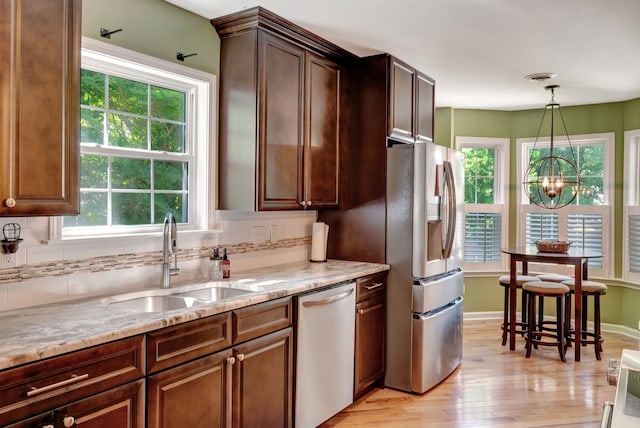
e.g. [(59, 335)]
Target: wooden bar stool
[(521, 326), (589, 288), (535, 336), (548, 277)]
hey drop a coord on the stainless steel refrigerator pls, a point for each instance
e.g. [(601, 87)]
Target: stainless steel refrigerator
[(424, 246)]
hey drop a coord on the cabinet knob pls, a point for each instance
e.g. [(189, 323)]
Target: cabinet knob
[(68, 421), (361, 311), (240, 357), (10, 202), (303, 203), (231, 360), (308, 203)]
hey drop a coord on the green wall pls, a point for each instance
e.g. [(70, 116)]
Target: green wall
[(483, 293), (155, 28)]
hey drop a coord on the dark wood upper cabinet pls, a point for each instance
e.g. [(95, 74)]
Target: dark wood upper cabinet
[(425, 88), (280, 126), (39, 106), (410, 103)]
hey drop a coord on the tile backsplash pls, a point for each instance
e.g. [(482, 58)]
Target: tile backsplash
[(48, 272)]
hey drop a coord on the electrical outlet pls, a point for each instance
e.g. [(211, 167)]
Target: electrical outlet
[(7, 261), (274, 233), (259, 234)]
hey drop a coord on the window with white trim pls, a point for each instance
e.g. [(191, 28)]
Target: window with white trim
[(145, 131), (486, 205), (587, 220), (631, 211)]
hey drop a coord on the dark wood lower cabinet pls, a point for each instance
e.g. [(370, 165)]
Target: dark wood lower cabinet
[(369, 364), (370, 332), (262, 381), (119, 407), (194, 395)]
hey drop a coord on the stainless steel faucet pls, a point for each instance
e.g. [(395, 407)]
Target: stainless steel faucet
[(169, 246)]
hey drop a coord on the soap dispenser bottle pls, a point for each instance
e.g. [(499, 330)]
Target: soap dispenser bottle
[(215, 265), (226, 264)]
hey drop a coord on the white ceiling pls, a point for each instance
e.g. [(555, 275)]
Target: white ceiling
[(479, 51)]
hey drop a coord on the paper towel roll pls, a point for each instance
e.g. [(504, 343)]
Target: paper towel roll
[(319, 234)]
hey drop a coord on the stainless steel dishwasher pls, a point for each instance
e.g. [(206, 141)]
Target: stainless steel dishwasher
[(325, 351)]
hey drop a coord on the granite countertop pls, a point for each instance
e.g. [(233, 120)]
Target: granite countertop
[(34, 333)]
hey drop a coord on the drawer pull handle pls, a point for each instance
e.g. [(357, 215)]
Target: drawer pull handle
[(68, 421), (72, 379), (374, 286), (240, 357), (231, 360)]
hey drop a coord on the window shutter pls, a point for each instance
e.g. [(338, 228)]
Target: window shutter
[(540, 226), (585, 231), (482, 237), (634, 243)]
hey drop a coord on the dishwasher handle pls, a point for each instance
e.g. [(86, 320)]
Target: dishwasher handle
[(327, 300)]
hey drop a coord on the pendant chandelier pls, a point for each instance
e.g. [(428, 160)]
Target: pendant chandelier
[(552, 181)]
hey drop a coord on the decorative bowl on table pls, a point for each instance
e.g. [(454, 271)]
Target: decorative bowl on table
[(551, 246)]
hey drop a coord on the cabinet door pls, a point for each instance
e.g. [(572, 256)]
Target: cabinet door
[(262, 381), (280, 123), (424, 107), (369, 349), (401, 110), (39, 106), (195, 394), (119, 407), (322, 132)]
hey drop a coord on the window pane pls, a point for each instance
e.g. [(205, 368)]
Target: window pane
[(484, 191), (167, 137), (479, 175), (92, 88), (591, 191), (131, 208), (170, 203), (127, 96), (91, 126), (94, 172), (93, 210), (170, 175), (167, 104), (482, 237), (127, 131), (130, 173)]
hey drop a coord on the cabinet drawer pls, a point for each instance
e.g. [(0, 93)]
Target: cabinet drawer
[(258, 320), (185, 342), (41, 386), (370, 286)]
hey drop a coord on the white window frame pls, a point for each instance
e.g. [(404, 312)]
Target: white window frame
[(523, 207), (631, 197), (200, 133), (501, 195)]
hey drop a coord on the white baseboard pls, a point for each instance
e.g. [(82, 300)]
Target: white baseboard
[(610, 328)]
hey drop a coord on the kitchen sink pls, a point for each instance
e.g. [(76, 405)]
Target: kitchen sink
[(157, 303), (150, 301), (215, 294)]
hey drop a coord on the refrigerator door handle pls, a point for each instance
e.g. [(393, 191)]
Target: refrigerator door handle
[(450, 209)]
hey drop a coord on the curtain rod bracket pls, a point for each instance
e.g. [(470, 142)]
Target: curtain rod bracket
[(180, 56), (107, 33)]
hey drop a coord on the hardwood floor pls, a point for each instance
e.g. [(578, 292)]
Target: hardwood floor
[(495, 387)]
